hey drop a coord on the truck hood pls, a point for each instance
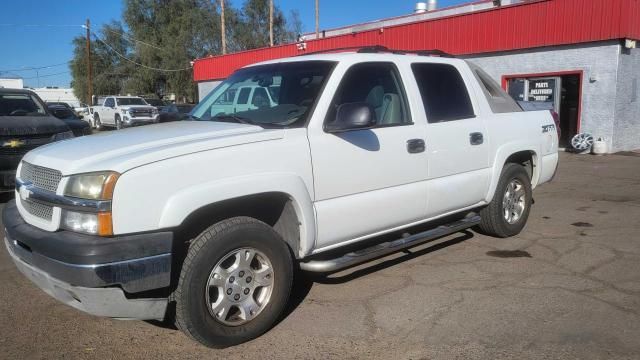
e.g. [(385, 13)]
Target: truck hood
[(31, 125), (126, 149)]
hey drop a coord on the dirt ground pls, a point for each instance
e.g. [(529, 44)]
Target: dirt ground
[(567, 287)]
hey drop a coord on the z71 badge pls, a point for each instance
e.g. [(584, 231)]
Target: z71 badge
[(548, 128)]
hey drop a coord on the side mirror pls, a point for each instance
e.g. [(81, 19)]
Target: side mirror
[(352, 116), (80, 117)]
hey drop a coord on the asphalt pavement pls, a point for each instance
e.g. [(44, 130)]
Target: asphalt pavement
[(567, 287)]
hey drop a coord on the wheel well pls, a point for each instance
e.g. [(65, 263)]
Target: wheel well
[(275, 209), (524, 158)]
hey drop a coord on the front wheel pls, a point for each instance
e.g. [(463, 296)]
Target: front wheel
[(96, 121), (234, 284), (508, 211), (118, 122)]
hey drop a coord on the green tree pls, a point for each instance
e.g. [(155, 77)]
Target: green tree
[(110, 71), (254, 25), (163, 37), (179, 32)]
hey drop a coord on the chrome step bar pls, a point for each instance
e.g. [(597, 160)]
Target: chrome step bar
[(380, 250)]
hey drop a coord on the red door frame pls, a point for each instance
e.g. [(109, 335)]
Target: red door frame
[(580, 73)]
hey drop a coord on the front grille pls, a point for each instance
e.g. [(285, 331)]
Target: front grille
[(39, 210), (141, 113), (44, 178)]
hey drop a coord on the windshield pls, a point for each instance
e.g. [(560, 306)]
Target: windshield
[(279, 95), (131, 101), (62, 113), (154, 102), (20, 105)]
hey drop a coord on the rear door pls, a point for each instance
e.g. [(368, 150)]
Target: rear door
[(456, 138)]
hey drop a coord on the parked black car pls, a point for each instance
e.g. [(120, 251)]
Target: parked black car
[(25, 124), (175, 112), (157, 103), (75, 122)]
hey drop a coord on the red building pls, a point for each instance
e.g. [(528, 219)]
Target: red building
[(584, 51)]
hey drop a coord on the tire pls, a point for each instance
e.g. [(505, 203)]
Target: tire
[(118, 122), (206, 254), (97, 122), (499, 217)]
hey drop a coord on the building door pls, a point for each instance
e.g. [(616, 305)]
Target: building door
[(558, 93)]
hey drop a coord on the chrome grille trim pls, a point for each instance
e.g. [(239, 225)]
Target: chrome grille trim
[(42, 177), (39, 210)]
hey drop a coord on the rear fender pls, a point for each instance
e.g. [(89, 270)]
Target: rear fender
[(502, 154)]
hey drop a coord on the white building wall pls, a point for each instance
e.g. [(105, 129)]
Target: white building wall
[(11, 83), (598, 61), (58, 95)]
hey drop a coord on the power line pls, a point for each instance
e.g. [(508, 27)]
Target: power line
[(47, 75), (134, 62), (30, 68), (131, 39), (41, 25)]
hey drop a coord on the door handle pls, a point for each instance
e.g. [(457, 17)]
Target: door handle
[(476, 138), (415, 146)]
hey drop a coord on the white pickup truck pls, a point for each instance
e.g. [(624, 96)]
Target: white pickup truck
[(124, 111), (210, 217)]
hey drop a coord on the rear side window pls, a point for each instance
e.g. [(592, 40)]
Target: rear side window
[(499, 100), (243, 97), (444, 93)]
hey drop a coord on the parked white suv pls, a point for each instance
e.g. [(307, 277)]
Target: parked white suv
[(213, 215), (124, 111)]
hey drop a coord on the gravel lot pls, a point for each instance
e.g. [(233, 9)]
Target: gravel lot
[(571, 291)]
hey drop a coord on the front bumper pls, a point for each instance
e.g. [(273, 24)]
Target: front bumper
[(94, 274), (138, 121), (108, 302)]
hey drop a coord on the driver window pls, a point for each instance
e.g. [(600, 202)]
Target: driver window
[(109, 102), (378, 85)]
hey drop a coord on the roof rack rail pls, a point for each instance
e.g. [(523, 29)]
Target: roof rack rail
[(375, 49)]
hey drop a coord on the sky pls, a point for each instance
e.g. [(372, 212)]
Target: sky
[(38, 33)]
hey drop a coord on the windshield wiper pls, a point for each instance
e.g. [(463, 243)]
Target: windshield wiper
[(235, 118)]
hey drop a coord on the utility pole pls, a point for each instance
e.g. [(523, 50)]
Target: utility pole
[(317, 19), (89, 83), (271, 22), (224, 33)]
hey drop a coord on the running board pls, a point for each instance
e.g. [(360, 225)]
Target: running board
[(380, 250)]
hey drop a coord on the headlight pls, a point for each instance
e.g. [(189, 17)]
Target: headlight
[(154, 111), (89, 223), (92, 186), (62, 136)]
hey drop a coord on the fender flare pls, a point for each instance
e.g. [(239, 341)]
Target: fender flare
[(180, 205), (502, 154)]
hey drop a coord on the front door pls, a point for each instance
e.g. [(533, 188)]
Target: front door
[(369, 180)]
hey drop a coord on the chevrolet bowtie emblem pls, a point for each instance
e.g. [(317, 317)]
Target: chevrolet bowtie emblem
[(13, 143)]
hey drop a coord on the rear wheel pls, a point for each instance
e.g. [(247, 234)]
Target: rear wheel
[(508, 211), (234, 284)]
